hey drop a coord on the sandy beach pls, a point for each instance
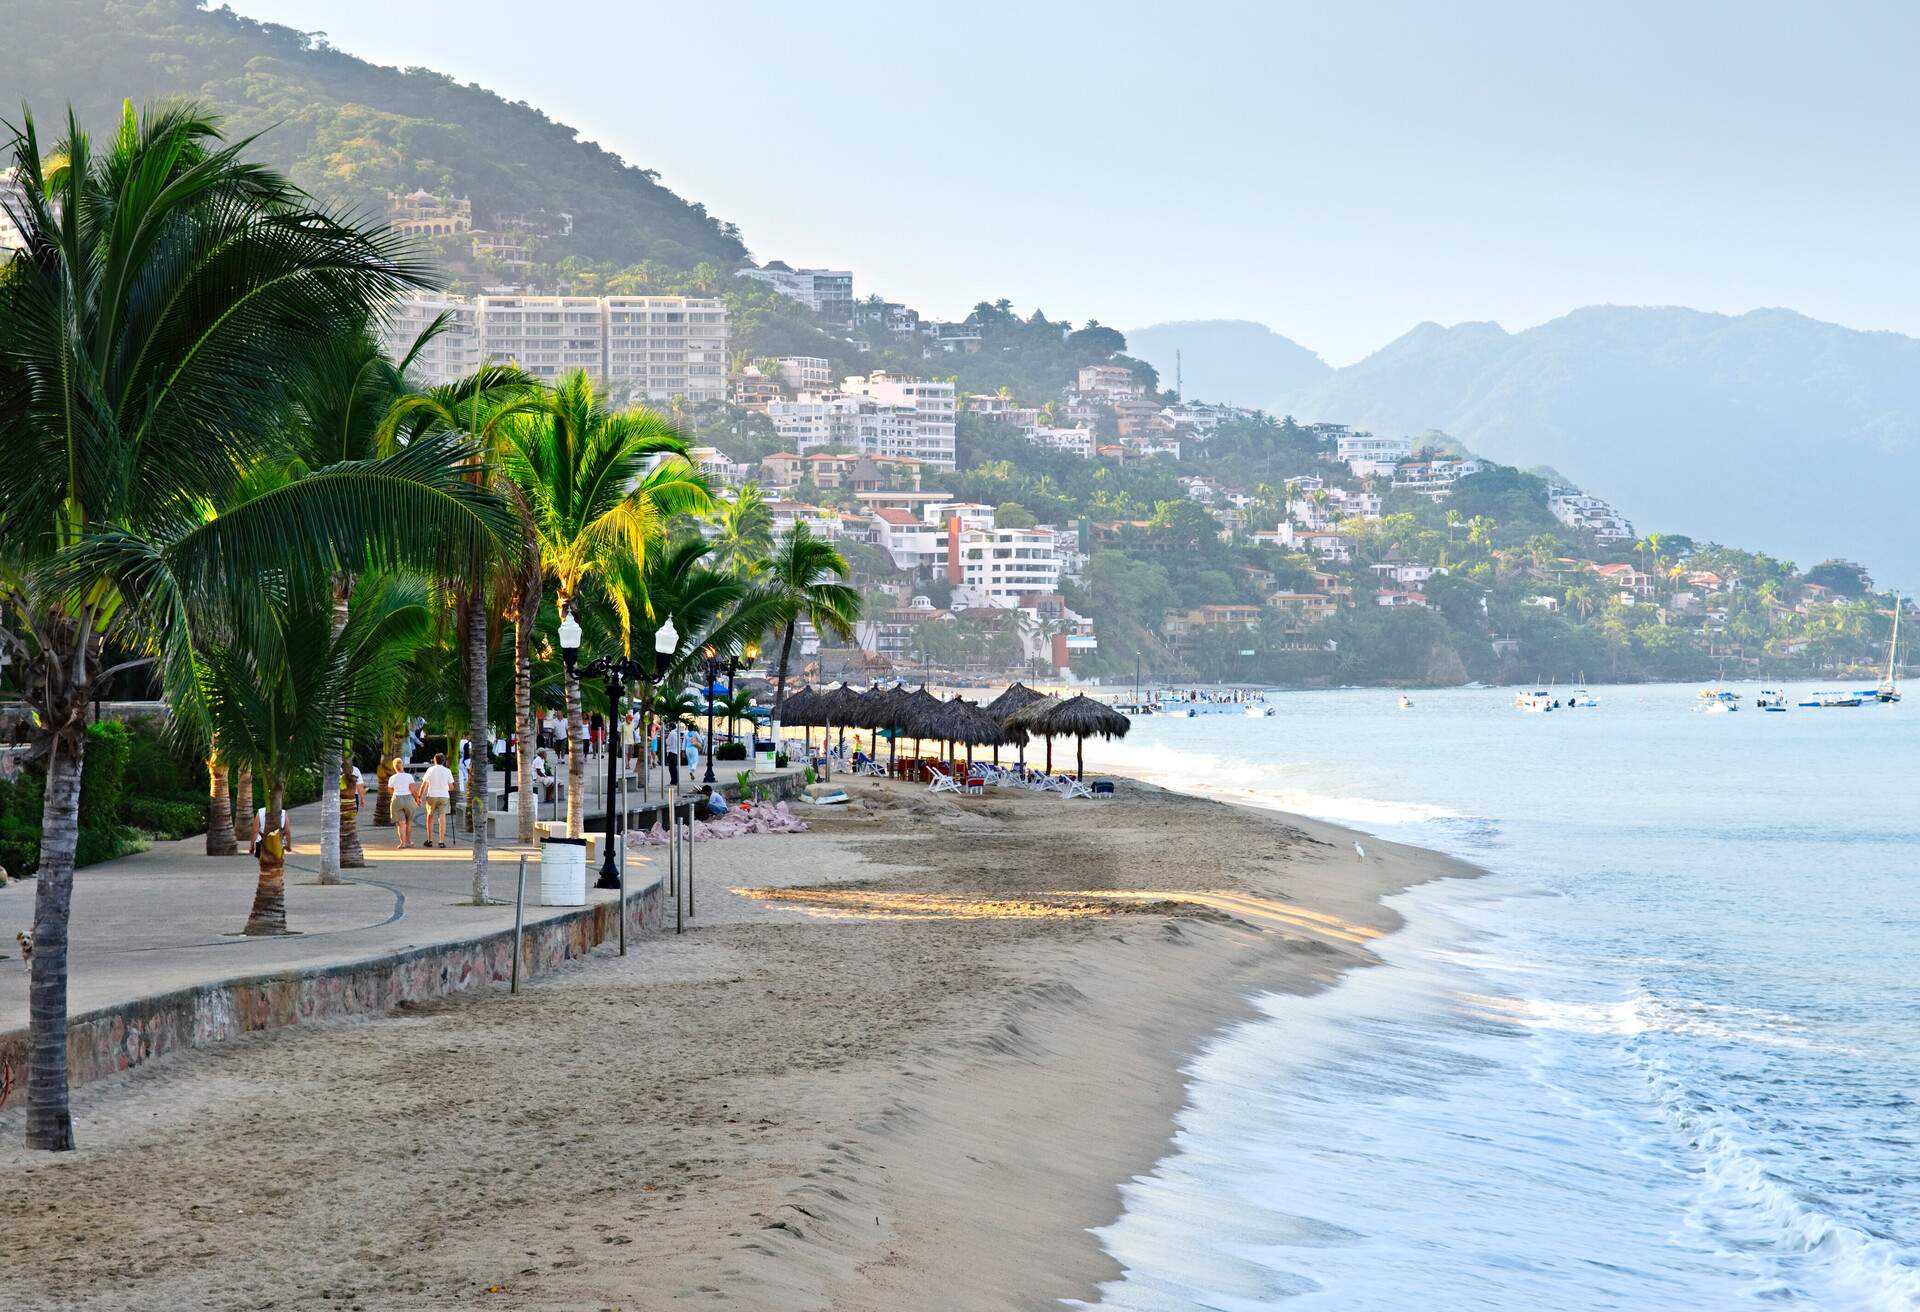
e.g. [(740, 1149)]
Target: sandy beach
[(901, 1062)]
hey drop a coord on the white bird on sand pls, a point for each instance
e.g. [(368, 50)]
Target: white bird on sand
[(1360, 851)]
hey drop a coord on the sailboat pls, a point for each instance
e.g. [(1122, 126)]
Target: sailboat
[(1889, 689)]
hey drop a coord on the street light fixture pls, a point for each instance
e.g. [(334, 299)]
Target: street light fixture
[(616, 674), (736, 661)]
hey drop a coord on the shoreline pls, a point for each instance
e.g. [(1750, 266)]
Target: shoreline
[(912, 1069)]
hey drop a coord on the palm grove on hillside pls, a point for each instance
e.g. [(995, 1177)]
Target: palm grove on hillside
[(215, 481)]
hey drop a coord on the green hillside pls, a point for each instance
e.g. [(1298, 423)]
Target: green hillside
[(349, 130)]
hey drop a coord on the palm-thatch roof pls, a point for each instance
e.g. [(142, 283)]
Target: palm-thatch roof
[(963, 722), (870, 709), (1077, 717), (801, 707), (1014, 698), (840, 706), (917, 714)]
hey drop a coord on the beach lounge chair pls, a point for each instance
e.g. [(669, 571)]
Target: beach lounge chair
[(874, 769), (940, 781), (1069, 787)]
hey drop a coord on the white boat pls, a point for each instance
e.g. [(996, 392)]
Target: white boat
[(1771, 699), (1213, 703), (1539, 701), (1717, 701), (1581, 697), (1406, 702), (1828, 700)]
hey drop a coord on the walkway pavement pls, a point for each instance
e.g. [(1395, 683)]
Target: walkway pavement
[(168, 918)]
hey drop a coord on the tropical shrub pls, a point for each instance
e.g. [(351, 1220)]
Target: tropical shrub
[(730, 752)]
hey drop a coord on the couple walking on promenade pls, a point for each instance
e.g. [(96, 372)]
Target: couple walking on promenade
[(432, 793)]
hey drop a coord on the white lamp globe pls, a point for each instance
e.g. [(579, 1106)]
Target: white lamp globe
[(667, 640), (570, 633)]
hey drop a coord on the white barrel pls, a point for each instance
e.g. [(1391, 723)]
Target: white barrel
[(563, 872)]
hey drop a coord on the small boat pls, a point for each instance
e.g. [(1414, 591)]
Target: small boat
[(1581, 697), (1717, 701), (1257, 710), (1539, 701), (1771, 699), (1406, 702), (1828, 700)]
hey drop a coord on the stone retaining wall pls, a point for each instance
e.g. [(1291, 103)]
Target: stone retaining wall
[(121, 1037)]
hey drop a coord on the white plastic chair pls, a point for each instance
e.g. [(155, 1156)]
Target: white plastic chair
[(1069, 787), (942, 782)]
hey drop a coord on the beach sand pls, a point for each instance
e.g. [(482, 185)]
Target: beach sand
[(907, 1066)]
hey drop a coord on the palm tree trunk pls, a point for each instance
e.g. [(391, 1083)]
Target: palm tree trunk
[(220, 839), (352, 855), (49, 1111), (243, 803), (330, 761), (526, 733), (576, 757), (269, 914), (383, 800), (480, 732), (780, 684)]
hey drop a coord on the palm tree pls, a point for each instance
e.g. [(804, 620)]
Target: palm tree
[(479, 407), (743, 537), (355, 405), (801, 583), (735, 706), (289, 687), (166, 295), (593, 494)]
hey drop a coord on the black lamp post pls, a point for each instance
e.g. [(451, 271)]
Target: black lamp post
[(713, 672), (736, 662), (615, 673)]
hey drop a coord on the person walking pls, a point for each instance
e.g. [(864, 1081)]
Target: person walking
[(260, 829), (436, 790), (404, 790), (674, 748)]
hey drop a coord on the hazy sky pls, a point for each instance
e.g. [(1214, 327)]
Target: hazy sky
[(1339, 171)]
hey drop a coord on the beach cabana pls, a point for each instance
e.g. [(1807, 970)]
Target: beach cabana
[(917, 715), (802, 709), (963, 722), (1002, 708), (1079, 717)]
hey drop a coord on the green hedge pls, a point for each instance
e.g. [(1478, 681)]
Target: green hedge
[(163, 819), (733, 751)]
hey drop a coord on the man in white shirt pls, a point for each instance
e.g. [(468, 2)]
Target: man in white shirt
[(676, 744), (436, 790)]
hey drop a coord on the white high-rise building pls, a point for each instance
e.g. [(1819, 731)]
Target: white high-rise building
[(1369, 456), (658, 347), (923, 405), (452, 353), (668, 346), (827, 292)]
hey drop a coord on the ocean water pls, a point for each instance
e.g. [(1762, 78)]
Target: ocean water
[(1666, 1056)]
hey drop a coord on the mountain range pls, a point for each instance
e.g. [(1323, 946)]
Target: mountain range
[(1768, 430)]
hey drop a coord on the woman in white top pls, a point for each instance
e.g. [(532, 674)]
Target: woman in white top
[(402, 786)]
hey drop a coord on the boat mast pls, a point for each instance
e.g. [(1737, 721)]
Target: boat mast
[(1893, 644)]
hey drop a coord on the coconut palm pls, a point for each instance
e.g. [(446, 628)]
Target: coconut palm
[(593, 494), (801, 582), (479, 407), (735, 706), (290, 687), (356, 405), (743, 536), (167, 294)]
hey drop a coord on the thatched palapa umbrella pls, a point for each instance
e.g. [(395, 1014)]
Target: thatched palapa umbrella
[(1081, 717), (916, 713), (802, 708), (840, 705), (1026, 721), (963, 722), (1002, 708)]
